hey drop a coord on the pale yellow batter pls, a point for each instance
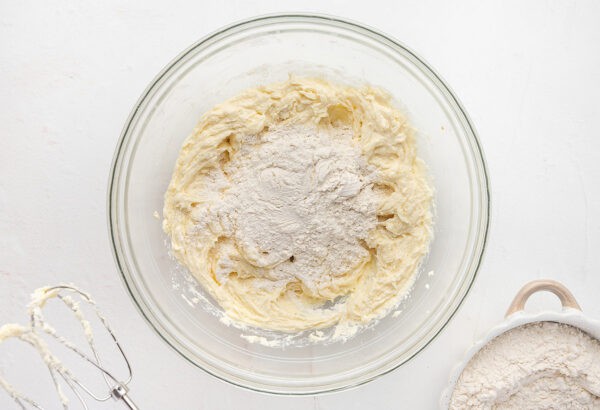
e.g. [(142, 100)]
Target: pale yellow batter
[(268, 293)]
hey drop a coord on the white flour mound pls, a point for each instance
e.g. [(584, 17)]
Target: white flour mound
[(298, 204), (542, 365)]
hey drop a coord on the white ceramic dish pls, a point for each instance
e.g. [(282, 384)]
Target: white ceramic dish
[(570, 314)]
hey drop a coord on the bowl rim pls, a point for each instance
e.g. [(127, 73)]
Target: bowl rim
[(472, 140)]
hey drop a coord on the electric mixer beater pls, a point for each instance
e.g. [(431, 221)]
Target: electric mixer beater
[(72, 298)]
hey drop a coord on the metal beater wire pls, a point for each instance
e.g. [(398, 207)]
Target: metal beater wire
[(117, 388)]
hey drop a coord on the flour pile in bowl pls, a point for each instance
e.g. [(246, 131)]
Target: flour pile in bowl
[(301, 205), (298, 203), (543, 365)]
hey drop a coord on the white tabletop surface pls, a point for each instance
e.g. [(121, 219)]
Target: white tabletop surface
[(70, 71)]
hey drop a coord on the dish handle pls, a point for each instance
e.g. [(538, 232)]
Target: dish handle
[(566, 297)]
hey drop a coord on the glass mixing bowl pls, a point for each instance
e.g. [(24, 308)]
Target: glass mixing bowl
[(261, 51)]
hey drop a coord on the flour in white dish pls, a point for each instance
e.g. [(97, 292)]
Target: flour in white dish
[(543, 365), (297, 202)]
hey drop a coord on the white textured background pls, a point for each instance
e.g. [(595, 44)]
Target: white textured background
[(70, 71)]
